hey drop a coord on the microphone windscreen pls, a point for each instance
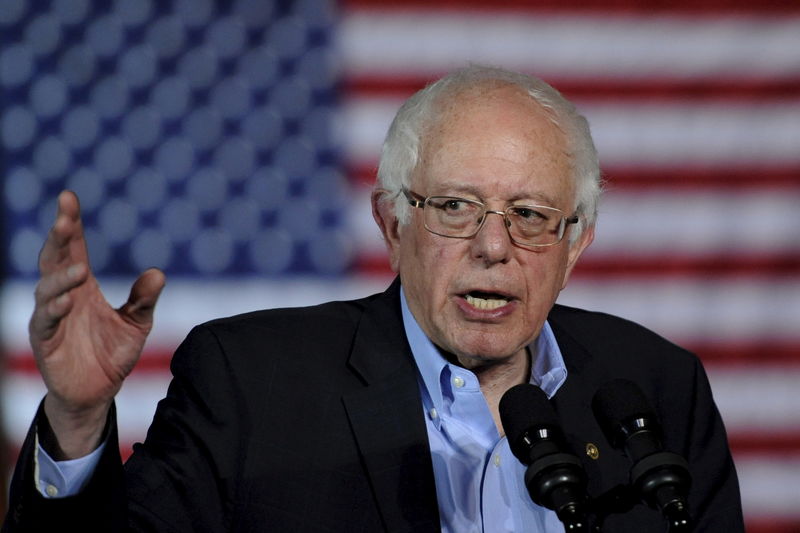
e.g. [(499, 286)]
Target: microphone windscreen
[(615, 403), (523, 407)]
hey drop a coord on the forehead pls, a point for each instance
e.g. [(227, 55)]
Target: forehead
[(495, 142)]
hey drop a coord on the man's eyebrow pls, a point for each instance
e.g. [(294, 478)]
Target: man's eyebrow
[(465, 190), (454, 187), (533, 198)]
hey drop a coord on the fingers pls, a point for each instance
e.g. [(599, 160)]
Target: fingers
[(143, 297), (64, 244), (53, 299), (63, 263)]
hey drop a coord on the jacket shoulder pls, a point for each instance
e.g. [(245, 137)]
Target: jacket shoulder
[(323, 331), (625, 340), (339, 313)]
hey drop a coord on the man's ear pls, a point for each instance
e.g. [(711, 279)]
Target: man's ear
[(383, 213), (576, 249)]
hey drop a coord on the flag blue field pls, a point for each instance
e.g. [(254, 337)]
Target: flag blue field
[(234, 143)]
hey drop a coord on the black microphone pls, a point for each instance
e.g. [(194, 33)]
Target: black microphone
[(661, 478), (555, 478)]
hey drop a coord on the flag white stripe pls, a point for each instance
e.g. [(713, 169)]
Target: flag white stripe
[(739, 394), (670, 134), (769, 487), (747, 406), (697, 309), (629, 47), (697, 223), (685, 309), (136, 403), (186, 303), (664, 222)]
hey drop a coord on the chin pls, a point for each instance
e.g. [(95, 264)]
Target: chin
[(489, 348)]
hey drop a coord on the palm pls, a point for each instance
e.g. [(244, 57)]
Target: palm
[(91, 351)]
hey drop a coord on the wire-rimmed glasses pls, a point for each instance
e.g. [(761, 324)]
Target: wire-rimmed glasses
[(460, 218)]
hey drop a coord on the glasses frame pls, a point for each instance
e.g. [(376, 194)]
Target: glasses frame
[(419, 201)]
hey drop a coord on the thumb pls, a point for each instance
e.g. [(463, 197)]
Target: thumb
[(143, 297)]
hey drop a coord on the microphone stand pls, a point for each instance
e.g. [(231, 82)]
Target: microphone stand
[(622, 498)]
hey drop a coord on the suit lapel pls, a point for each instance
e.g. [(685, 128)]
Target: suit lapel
[(387, 421)]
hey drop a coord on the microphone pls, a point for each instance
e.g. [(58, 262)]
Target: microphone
[(661, 478), (555, 478)]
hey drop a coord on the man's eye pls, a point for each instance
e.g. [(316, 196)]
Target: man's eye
[(529, 214), (450, 204)]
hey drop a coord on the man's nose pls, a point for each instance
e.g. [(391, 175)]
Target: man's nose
[(492, 243)]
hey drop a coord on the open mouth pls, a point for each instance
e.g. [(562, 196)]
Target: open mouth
[(486, 300)]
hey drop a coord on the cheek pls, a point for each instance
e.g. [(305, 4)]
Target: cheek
[(430, 253), (415, 259), (429, 265), (545, 273)]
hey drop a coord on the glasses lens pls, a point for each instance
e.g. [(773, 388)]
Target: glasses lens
[(535, 225), (453, 217)]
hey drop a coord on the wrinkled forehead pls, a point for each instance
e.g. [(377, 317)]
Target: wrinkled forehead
[(456, 101), (491, 131)]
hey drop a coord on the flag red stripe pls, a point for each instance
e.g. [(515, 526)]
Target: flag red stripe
[(698, 7), (739, 88), (762, 352), (759, 178), (725, 354), (742, 446), (772, 525), (753, 443), (718, 266)]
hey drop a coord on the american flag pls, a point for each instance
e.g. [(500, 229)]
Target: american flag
[(234, 143)]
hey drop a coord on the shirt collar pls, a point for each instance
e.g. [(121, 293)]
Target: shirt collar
[(548, 371)]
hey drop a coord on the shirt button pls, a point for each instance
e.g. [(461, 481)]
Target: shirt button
[(458, 382), (51, 491), (433, 414), (497, 459)]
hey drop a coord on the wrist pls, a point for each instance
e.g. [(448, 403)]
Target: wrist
[(69, 433)]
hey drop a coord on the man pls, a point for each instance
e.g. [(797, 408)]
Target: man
[(379, 414)]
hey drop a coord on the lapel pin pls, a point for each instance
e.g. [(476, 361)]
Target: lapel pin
[(592, 450)]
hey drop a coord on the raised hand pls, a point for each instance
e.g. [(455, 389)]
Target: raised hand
[(83, 347)]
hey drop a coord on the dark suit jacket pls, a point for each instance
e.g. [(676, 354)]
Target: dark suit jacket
[(310, 420)]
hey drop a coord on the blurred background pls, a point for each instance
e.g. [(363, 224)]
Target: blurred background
[(233, 144)]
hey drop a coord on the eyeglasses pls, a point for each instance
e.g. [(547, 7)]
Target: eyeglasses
[(527, 225)]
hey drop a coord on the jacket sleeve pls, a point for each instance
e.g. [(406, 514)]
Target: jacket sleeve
[(185, 475), (180, 479), (99, 507), (715, 501)]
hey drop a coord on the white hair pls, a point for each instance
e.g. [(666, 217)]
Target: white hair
[(401, 149)]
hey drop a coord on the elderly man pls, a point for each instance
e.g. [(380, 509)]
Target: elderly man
[(379, 414)]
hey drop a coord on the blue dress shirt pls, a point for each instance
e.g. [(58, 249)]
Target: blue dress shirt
[(479, 483)]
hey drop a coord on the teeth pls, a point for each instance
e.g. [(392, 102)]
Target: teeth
[(486, 303)]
